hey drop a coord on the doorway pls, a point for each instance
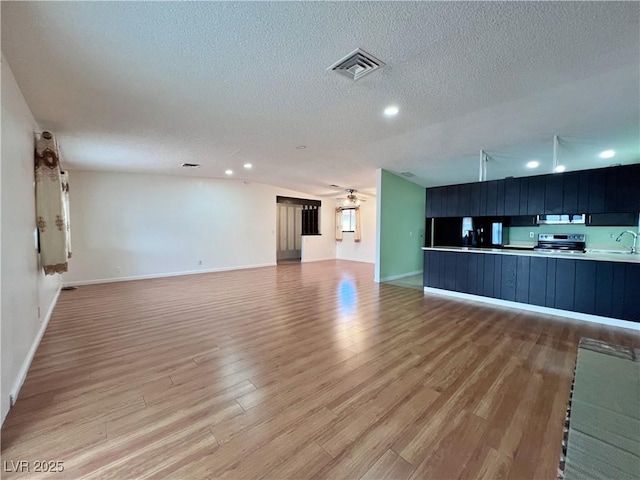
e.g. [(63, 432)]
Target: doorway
[(289, 233)]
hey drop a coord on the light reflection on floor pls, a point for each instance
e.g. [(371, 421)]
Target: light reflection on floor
[(347, 314)]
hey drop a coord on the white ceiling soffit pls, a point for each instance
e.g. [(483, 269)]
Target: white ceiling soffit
[(148, 86)]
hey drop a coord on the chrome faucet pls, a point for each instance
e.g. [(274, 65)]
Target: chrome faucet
[(635, 239)]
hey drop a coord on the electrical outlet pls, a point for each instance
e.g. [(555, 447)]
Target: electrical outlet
[(199, 262), (38, 312), (117, 269), (612, 235), (531, 234)]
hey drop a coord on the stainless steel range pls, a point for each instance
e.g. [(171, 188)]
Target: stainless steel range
[(561, 243)]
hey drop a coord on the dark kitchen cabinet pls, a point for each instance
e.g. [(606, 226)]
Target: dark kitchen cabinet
[(500, 198), (523, 221), (512, 197), (438, 199), (465, 200), (585, 289), (603, 288), (473, 274), (451, 194), (434, 201), (604, 190), (427, 269), (631, 305), (629, 188), (570, 192), (488, 275), (492, 198), (462, 269), (523, 275), (482, 200), (612, 219), (583, 192), (508, 279), (535, 197), (611, 198), (597, 189), (608, 289), (565, 283), (524, 197), (537, 282), (475, 200), (553, 194), (550, 286)]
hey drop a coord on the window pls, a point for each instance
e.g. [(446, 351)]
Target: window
[(348, 219)]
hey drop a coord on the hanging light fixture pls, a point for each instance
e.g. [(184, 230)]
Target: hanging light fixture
[(352, 200)]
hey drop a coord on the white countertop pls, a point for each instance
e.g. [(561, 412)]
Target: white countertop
[(607, 257)]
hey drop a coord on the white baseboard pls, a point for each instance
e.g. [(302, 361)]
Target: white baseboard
[(305, 260), (163, 275), (24, 368), (613, 322), (355, 260), (402, 275)]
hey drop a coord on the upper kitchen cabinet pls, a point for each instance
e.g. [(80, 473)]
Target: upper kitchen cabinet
[(466, 200), (492, 199), (554, 194), (451, 196), (571, 192), (536, 193), (512, 196), (597, 186), (604, 190), (622, 189), (433, 206)]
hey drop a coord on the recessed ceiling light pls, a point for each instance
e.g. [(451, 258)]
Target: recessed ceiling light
[(301, 147), (228, 172), (608, 154), (560, 168), (533, 164), (391, 111), (247, 166)]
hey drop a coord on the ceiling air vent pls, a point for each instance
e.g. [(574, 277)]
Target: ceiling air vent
[(357, 64), (191, 165), (407, 174)]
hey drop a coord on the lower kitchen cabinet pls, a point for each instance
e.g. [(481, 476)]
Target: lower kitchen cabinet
[(608, 289)]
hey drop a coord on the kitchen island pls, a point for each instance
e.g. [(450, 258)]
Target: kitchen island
[(596, 286)]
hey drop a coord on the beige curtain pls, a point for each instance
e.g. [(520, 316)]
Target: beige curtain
[(339, 224), (357, 233), (51, 218)]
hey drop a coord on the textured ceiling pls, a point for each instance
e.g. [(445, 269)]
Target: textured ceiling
[(146, 86)]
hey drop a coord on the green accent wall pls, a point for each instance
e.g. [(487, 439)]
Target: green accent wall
[(402, 221), (596, 237)]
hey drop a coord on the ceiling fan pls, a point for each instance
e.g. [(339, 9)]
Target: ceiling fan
[(351, 200)]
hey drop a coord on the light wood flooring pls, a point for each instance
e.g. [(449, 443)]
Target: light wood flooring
[(296, 371)]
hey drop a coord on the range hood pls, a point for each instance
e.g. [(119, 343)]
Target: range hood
[(561, 219)]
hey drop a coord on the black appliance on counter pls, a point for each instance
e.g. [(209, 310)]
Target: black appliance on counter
[(484, 232), (561, 242)]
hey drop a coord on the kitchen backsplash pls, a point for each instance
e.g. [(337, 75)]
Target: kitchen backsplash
[(596, 237)]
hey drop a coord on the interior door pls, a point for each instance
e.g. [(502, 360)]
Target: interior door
[(289, 232)]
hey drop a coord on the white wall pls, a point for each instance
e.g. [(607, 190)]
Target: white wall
[(27, 295), (135, 226), (365, 250), (322, 247)]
